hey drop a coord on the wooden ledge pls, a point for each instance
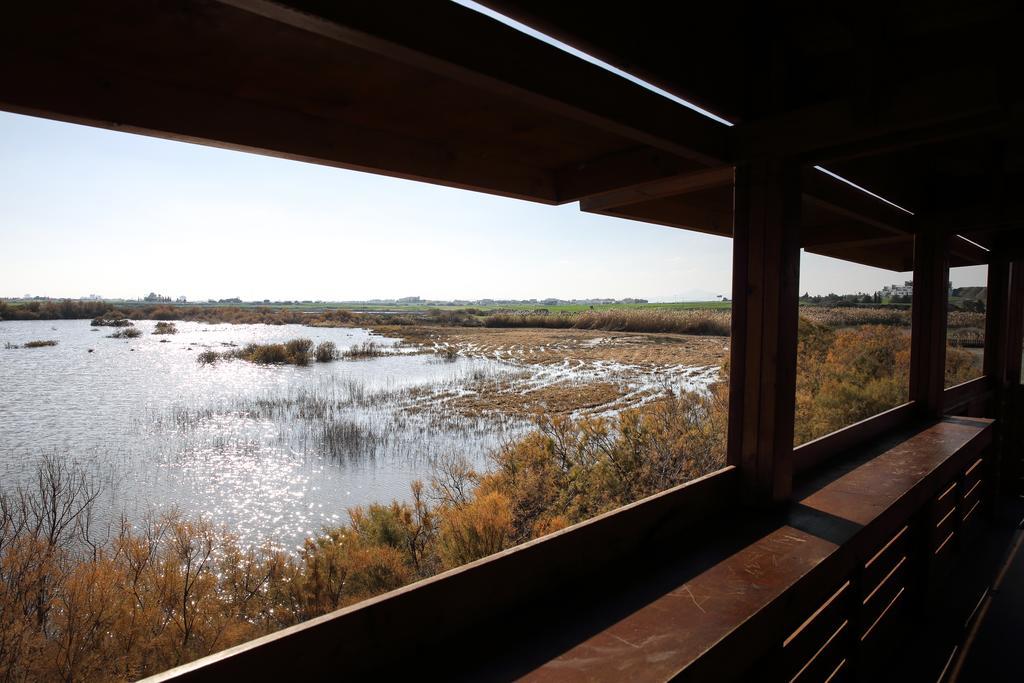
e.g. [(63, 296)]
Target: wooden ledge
[(713, 623)]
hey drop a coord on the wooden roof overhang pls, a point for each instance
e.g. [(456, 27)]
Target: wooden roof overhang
[(923, 108)]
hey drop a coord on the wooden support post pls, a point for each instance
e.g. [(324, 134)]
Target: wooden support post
[(928, 317), (1014, 324), (1010, 466), (766, 271), (997, 318), (996, 312)]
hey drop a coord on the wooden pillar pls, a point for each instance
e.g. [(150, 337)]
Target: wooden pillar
[(766, 271), (928, 319), (1010, 466), (1014, 324), (996, 312), (997, 318)]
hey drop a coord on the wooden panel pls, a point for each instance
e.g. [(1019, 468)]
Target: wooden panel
[(828, 659), (878, 598), (814, 634), (880, 638), (940, 508), (883, 562)]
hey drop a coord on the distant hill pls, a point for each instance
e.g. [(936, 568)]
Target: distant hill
[(971, 293)]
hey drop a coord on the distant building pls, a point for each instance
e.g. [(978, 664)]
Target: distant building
[(906, 289)]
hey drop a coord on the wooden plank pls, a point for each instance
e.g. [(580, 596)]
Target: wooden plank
[(766, 263)]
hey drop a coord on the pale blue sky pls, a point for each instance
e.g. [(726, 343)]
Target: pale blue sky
[(86, 210)]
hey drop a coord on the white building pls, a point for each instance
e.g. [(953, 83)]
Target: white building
[(906, 289)]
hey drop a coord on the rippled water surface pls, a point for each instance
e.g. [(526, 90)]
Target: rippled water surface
[(273, 452)]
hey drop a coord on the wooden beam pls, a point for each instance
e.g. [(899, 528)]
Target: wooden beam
[(677, 213), (657, 189), (117, 101), (455, 42), (928, 320), (766, 269), (841, 199), (633, 166), (962, 252), (958, 102)]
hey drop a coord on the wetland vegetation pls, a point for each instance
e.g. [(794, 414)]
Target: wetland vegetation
[(600, 408)]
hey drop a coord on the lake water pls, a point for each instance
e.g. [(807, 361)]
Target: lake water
[(273, 452)]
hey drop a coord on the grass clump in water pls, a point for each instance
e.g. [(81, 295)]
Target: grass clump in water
[(292, 352), (111, 319), (364, 350), (38, 343), (207, 357), (126, 333), (325, 352), (165, 328)]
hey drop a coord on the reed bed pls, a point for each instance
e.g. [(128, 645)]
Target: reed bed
[(365, 350), (699, 322), (165, 328), (852, 316)]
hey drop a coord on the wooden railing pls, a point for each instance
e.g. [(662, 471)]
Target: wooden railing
[(675, 586)]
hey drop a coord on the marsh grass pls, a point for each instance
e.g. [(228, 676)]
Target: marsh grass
[(343, 438), (38, 343), (207, 357), (325, 352), (126, 333), (165, 328), (292, 352), (699, 322), (111, 319), (365, 350)]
